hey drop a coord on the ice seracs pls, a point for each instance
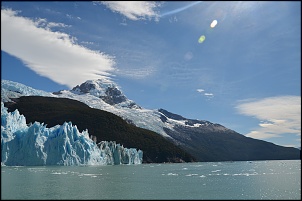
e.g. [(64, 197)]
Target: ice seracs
[(115, 154), (35, 145)]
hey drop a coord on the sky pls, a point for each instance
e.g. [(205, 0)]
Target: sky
[(234, 63)]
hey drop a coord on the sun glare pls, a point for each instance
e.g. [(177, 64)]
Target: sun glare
[(214, 23)]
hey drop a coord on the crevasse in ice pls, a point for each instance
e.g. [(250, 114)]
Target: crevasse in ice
[(35, 144)]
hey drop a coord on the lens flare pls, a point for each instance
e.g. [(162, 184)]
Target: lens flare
[(201, 39), (214, 23)]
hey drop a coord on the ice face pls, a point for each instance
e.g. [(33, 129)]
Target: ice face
[(117, 154), (35, 144)]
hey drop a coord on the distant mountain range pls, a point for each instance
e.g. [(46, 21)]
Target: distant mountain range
[(190, 139)]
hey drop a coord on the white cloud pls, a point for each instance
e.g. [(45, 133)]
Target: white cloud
[(87, 43), (208, 95), (134, 10), (136, 73), (42, 23), (69, 16), (279, 116), (51, 54), (54, 24)]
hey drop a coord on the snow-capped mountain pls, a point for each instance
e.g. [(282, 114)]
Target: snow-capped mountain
[(105, 90), (93, 93), (107, 96), (205, 140)]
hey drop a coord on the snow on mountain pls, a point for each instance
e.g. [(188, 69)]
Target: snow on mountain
[(113, 100), (143, 118), (34, 144), (106, 90), (177, 120), (106, 95), (10, 89), (96, 93)]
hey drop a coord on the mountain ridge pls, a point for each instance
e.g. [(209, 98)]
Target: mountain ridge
[(206, 141)]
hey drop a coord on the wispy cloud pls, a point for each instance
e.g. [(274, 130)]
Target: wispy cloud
[(42, 23), (136, 73), (51, 54), (180, 9), (134, 10), (54, 24), (208, 94), (278, 116), (202, 91)]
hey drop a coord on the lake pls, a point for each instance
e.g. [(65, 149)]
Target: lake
[(276, 179)]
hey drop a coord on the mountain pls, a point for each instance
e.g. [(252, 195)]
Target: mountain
[(105, 90), (213, 142), (204, 140)]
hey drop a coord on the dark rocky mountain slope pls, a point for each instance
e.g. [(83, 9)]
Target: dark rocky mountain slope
[(207, 141)]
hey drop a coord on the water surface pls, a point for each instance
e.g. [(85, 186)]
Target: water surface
[(211, 180)]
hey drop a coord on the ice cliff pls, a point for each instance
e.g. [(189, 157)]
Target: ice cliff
[(35, 145)]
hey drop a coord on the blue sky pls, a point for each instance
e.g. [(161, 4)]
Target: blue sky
[(245, 74)]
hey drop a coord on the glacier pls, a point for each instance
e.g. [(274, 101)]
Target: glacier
[(37, 145)]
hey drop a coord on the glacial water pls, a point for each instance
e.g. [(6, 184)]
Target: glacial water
[(204, 180)]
